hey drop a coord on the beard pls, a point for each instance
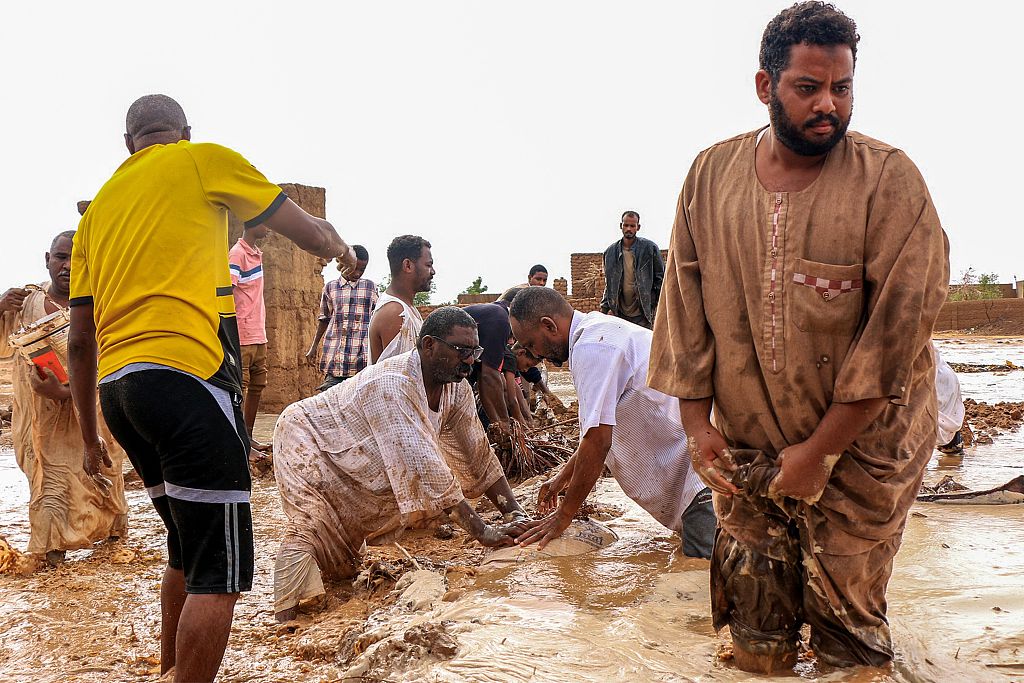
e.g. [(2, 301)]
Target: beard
[(792, 135), (460, 372), (557, 352)]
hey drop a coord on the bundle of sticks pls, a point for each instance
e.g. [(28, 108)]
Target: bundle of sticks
[(525, 456)]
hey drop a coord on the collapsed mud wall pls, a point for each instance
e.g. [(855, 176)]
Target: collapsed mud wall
[(292, 287)]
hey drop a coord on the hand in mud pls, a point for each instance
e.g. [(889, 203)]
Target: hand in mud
[(311, 357), (46, 384), (803, 473), (496, 536), (517, 523), (710, 460), (545, 530), (13, 299), (547, 497), (500, 433), (95, 456)]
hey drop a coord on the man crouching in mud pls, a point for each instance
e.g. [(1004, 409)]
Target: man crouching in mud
[(398, 443), (806, 271)]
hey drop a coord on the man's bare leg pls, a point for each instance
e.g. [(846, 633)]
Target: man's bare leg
[(203, 635), (172, 599), (250, 406)]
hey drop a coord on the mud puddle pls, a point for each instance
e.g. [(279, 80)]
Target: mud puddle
[(634, 611)]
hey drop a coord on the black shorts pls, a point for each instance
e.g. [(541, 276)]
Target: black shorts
[(194, 462)]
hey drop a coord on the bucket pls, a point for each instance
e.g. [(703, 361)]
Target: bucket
[(45, 342)]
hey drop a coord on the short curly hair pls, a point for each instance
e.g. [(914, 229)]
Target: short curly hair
[(405, 247), (811, 23)]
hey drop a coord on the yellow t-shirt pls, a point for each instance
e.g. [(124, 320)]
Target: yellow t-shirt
[(151, 251)]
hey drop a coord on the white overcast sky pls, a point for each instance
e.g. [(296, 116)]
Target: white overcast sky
[(505, 133)]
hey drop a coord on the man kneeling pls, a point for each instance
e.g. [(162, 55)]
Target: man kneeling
[(396, 444)]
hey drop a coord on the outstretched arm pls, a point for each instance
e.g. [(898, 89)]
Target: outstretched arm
[(310, 233), (587, 465)]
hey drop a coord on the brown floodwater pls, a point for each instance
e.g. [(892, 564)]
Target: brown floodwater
[(634, 611)]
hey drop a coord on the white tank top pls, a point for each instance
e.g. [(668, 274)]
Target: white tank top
[(406, 338)]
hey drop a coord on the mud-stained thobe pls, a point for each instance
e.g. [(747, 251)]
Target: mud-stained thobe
[(67, 510), (777, 304), (365, 459)]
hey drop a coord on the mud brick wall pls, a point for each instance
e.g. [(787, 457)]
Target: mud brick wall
[(291, 291), (485, 298), (587, 272), (561, 285), (962, 315)]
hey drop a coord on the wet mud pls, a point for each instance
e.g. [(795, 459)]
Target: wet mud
[(635, 610)]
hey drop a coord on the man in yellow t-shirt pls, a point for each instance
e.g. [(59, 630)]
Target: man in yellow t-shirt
[(151, 292)]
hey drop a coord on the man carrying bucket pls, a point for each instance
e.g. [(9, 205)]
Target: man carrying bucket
[(68, 509)]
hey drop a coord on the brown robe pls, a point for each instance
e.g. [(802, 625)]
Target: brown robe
[(777, 304), (67, 511)]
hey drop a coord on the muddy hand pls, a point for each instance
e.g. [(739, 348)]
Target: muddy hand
[(95, 456), (311, 357), (13, 299), (543, 531), (711, 462), (803, 473), (495, 537), (547, 497)]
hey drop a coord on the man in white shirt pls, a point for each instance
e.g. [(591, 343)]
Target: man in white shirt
[(632, 428)]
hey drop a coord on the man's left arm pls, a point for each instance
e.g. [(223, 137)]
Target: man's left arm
[(906, 275), (82, 355)]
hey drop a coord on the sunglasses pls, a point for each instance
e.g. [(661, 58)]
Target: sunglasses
[(465, 352)]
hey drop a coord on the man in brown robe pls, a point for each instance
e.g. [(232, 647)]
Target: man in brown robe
[(68, 509), (806, 270)]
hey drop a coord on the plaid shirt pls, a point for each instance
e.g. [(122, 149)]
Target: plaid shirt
[(347, 305)]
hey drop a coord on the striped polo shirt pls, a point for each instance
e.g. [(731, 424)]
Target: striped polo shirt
[(246, 263)]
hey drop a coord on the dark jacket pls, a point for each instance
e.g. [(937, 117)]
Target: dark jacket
[(649, 269)]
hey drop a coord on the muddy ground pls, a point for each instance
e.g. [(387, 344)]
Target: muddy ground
[(637, 611)]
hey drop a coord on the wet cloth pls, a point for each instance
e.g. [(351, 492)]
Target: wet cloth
[(246, 265), (347, 306), (950, 403), (67, 510), (363, 460), (778, 304), (608, 359), (407, 336)]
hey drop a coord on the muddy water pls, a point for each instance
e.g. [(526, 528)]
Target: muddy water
[(635, 611)]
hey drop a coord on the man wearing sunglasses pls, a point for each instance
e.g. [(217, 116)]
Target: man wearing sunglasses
[(396, 444)]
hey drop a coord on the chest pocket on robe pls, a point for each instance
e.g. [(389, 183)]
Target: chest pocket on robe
[(825, 297)]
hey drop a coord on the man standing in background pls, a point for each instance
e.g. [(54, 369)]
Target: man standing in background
[(345, 308), (246, 264), (633, 271)]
